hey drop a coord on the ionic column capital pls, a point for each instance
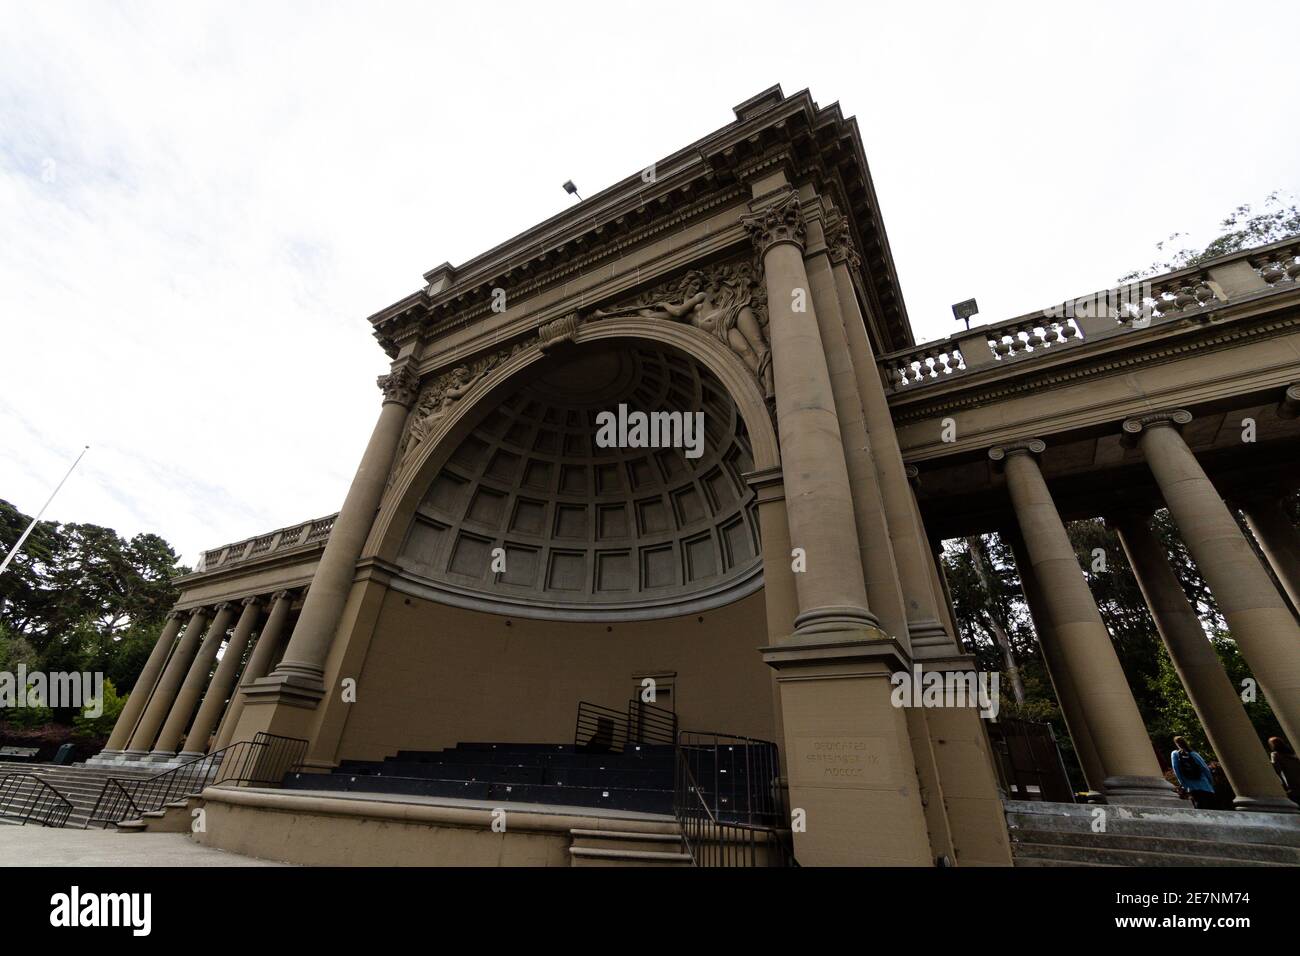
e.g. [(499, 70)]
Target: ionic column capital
[(782, 222), (282, 595), (176, 614), (400, 386), (1175, 418), (223, 606), (199, 612), (252, 599), (1030, 446)]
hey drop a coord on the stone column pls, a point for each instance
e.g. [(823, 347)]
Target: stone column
[(848, 749), (301, 673), (1277, 537), (144, 685), (1212, 695), (906, 535), (214, 701), (1259, 620), (1132, 771), (269, 641), (164, 694), (1057, 671), (196, 678), (819, 499)]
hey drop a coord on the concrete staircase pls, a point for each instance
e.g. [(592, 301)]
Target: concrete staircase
[(614, 847), (80, 784), (1062, 834)]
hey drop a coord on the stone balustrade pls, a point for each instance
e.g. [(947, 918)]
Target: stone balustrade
[(313, 532), (1123, 309)]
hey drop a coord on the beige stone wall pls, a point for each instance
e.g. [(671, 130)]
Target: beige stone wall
[(436, 675)]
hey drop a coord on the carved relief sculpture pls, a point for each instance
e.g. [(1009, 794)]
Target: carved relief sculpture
[(725, 301), (444, 392)]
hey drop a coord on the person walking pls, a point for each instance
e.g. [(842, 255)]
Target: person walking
[(1193, 775)]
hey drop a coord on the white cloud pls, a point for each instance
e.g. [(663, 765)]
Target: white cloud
[(199, 204)]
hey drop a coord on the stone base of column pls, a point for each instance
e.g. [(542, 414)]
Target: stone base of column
[(161, 756), (134, 755), (1141, 792), (835, 619), (852, 779), (1264, 805), (186, 755)]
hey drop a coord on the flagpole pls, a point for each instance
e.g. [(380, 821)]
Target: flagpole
[(18, 547)]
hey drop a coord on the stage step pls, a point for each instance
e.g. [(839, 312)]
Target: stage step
[(1053, 834), (609, 847)]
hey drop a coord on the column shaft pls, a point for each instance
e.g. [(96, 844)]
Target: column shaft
[(901, 515), (214, 701), (1216, 702), (880, 573), (1258, 618), (1277, 537), (164, 694), (269, 641), (196, 678), (819, 501), (304, 658), (1057, 671), (1132, 771), (144, 685)]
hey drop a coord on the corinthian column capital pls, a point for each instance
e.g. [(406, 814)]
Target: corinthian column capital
[(782, 222), (400, 386), (842, 249)]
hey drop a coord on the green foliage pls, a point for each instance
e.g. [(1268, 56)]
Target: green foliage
[(79, 597), (1243, 228), (1156, 687), (102, 725)]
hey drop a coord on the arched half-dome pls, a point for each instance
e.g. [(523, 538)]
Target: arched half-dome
[(590, 531)]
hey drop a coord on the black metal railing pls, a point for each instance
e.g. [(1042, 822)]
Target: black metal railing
[(728, 801), (263, 760), (606, 730), (26, 798)]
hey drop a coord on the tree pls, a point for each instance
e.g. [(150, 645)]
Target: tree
[(1243, 228), (79, 597)]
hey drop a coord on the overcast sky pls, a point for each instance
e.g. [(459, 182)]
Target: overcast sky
[(201, 203)]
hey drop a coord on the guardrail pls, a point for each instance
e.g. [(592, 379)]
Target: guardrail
[(265, 759), (727, 800), (1117, 310), (26, 798)]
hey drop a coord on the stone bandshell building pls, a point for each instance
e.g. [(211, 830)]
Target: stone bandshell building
[(493, 564)]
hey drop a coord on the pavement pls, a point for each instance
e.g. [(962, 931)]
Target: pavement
[(49, 846)]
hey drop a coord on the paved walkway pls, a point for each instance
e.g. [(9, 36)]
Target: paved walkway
[(46, 846)]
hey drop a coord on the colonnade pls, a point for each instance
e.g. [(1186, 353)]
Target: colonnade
[(1113, 746), (178, 707)]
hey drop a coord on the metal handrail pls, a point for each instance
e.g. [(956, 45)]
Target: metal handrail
[(727, 822), (265, 759), (610, 731), (27, 797)]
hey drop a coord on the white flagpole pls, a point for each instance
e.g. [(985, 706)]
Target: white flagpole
[(18, 547)]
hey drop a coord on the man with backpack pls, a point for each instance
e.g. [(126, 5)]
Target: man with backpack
[(1193, 775)]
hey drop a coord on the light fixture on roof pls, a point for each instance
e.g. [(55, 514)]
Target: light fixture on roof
[(962, 311), (571, 189)]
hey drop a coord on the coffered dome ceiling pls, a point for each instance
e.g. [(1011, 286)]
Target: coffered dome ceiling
[(592, 532)]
